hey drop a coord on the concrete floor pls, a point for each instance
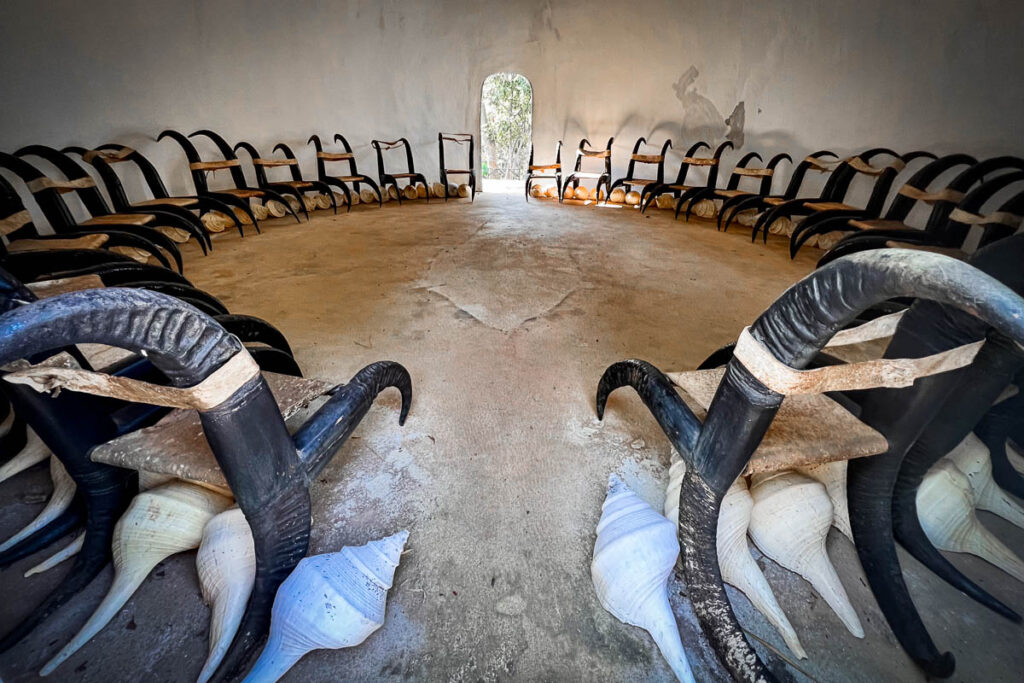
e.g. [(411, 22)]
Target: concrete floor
[(506, 314)]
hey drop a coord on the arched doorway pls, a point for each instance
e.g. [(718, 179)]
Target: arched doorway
[(506, 126)]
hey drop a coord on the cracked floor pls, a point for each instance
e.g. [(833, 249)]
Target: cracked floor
[(505, 313)]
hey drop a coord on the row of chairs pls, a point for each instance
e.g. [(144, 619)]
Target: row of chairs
[(955, 202)]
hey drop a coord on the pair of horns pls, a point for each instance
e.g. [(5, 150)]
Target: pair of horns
[(793, 329), (187, 346)]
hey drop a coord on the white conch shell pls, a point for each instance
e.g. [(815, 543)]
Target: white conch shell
[(421, 191), (581, 193), (157, 524), (340, 199), (665, 201), (323, 201), (309, 202), (329, 601), (634, 554), (789, 523), (214, 221), (367, 196), (260, 211), (437, 190), (410, 192), (34, 452), (393, 192), (945, 507), (833, 476), (275, 208), (535, 191), (68, 551), (593, 194), (355, 198), (734, 559), (551, 192), (293, 202), (226, 563), (617, 196), (60, 500), (705, 208), (632, 198), (971, 457)]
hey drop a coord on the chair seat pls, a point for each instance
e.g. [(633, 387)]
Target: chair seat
[(808, 429), (176, 445), (774, 201), (349, 178), (830, 206), (877, 224), (183, 202), (546, 167), (244, 193), (84, 242), (580, 174), (334, 156), (297, 184), (638, 181), (403, 175), (683, 188), (731, 193), (125, 218), (457, 170), (542, 176)]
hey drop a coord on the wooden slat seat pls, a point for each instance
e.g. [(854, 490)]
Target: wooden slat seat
[(546, 167), (214, 165), (297, 184), (774, 201), (877, 224), (275, 162), (349, 178), (125, 218), (83, 242), (579, 174), (457, 170), (700, 161), (176, 445), (334, 156), (830, 206), (638, 181), (731, 193), (403, 175), (237, 192), (682, 188), (809, 429), (183, 202)]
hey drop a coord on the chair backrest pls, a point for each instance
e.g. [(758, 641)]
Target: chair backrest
[(459, 139), (658, 160), (323, 157), (85, 187), (712, 163), (293, 167), (46, 191), (916, 187), (261, 164), (381, 145), (765, 174), (584, 151)]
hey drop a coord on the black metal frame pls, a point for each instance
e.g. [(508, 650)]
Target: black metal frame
[(237, 197), (296, 187), (459, 139), (657, 160), (354, 176), (557, 167), (731, 191), (103, 158), (648, 194), (391, 179)]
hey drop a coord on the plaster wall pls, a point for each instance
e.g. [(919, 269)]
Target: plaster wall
[(790, 76)]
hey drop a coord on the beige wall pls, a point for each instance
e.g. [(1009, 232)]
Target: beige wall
[(943, 75)]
